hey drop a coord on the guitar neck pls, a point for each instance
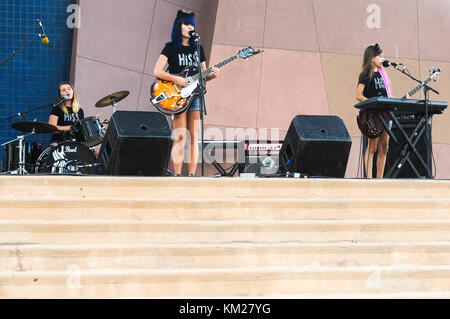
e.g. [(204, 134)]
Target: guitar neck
[(208, 71), (417, 88)]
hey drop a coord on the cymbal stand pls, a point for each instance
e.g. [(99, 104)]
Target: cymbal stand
[(114, 104), (21, 169)]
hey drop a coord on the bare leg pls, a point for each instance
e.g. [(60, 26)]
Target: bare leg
[(179, 131), (193, 127), (368, 156), (383, 147)]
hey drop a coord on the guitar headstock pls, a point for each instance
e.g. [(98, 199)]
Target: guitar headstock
[(434, 73), (248, 52)]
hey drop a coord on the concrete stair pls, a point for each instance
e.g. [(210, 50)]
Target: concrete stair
[(109, 237)]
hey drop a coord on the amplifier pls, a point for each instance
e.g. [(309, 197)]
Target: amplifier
[(262, 158)]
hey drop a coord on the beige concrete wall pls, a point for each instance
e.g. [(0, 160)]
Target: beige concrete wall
[(311, 61)]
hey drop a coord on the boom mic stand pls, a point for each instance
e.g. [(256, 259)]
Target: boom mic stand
[(24, 114), (405, 71), (202, 99), (426, 90), (21, 48), (18, 50)]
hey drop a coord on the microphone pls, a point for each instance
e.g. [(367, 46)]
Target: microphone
[(193, 34), (387, 63), (65, 98), (44, 39)]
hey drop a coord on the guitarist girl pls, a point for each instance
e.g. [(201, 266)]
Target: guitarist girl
[(373, 82), (178, 54)]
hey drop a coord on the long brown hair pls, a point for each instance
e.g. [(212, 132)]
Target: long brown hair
[(367, 66), (75, 103)]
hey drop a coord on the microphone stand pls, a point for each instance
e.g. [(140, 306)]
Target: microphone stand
[(426, 90), (202, 101), (24, 114), (18, 50), (414, 79)]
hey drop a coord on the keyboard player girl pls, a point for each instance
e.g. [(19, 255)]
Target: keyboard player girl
[(373, 82)]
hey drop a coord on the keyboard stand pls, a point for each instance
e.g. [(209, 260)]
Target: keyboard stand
[(409, 146)]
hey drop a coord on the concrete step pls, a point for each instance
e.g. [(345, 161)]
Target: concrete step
[(211, 256), (119, 231), (82, 187), (208, 283), (373, 295), (223, 208)]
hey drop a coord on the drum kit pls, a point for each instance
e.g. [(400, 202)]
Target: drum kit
[(72, 156)]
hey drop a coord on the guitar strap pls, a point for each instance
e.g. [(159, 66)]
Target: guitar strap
[(386, 81), (388, 90)]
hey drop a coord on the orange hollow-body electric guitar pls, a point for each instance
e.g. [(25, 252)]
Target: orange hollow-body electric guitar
[(170, 98)]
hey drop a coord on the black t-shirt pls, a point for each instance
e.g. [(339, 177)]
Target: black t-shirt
[(376, 86), (178, 60), (65, 120)]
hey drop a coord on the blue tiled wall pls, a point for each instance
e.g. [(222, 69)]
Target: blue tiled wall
[(31, 77)]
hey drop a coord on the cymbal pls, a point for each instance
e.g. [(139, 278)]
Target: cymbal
[(29, 126), (112, 98)]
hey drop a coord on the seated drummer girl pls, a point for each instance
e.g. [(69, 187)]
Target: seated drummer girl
[(64, 115)]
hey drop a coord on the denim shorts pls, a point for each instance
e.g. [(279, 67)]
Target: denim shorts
[(195, 105)]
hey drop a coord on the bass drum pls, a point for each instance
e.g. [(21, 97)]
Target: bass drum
[(67, 158)]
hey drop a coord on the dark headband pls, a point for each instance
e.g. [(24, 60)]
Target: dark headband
[(183, 13)]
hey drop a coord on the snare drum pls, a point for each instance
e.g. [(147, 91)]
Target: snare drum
[(88, 131), (67, 158), (32, 152)]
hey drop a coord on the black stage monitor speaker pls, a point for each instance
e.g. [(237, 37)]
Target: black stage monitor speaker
[(136, 144), (316, 145)]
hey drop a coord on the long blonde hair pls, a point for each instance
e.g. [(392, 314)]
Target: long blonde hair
[(75, 103)]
